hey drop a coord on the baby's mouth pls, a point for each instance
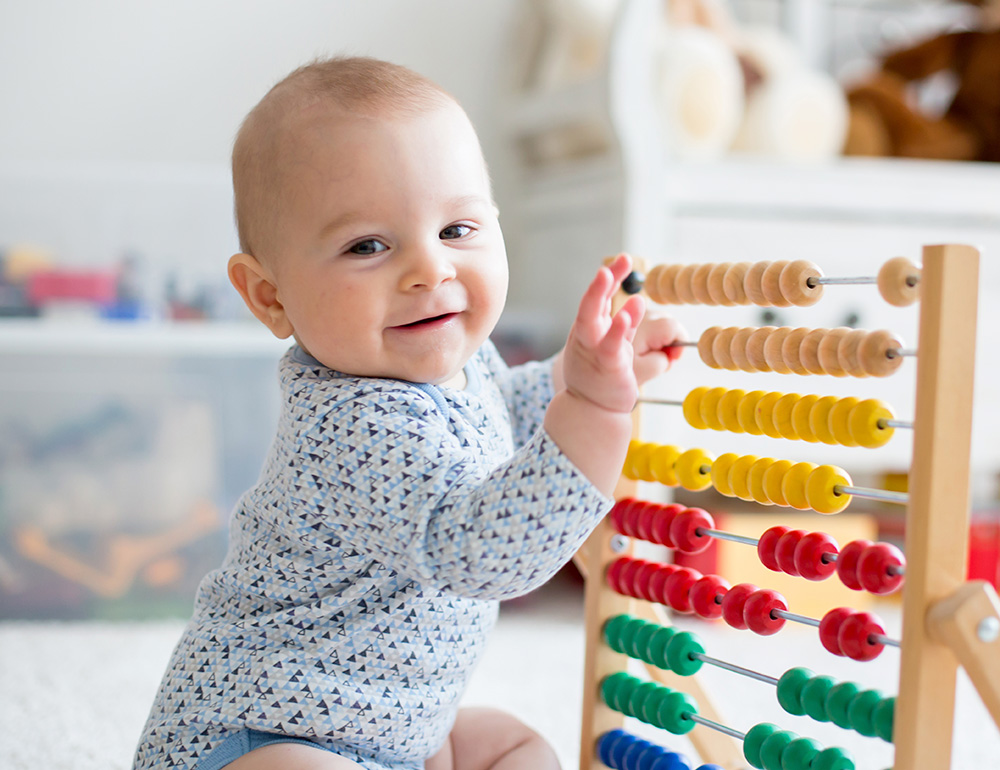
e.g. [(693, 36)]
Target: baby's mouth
[(427, 321)]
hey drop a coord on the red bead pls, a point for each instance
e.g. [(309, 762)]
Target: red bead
[(809, 556), (784, 552), (644, 525), (732, 604), (766, 545), (873, 568), (626, 577), (641, 580), (684, 530), (706, 596), (847, 563), (661, 525), (630, 518), (678, 588), (613, 575), (854, 636), (758, 608), (617, 514), (829, 628), (657, 582)]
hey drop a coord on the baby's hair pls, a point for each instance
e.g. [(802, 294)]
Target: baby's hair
[(359, 85)]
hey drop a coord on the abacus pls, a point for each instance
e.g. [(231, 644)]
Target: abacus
[(946, 622)]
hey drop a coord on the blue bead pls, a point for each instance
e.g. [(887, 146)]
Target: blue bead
[(647, 760), (671, 761), (630, 757), (606, 743), (710, 766), (623, 744)]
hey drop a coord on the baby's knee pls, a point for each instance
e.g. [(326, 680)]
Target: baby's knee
[(488, 737)]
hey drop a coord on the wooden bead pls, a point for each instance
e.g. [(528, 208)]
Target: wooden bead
[(717, 286), (794, 283), (738, 348), (699, 284), (705, 342), (683, 286), (746, 412), (800, 418), (848, 355), (721, 347), (809, 351), (665, 283), (752, 283), (652, 284), (772, 350), (873, 351), (828, 346), (770, 284), (790, 350), (755, 348), (899, 282), (732, 283), (729, 410), (839, 425)]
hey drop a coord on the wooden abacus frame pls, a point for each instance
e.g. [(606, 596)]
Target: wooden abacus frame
[(946, 621)]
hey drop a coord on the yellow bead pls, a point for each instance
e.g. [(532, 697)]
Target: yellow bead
[(800, 418), (793, 485), (694, 469), (765, 414), (709, 408), (739, 476), (783, 415), (728, 410), (819, 419), (773, 476), (661, 464), (838, 420), (692, 408), (639, 465), (746, 412), (863, 422), (755, 480), (821, 489), (720, 473), (627, 470)]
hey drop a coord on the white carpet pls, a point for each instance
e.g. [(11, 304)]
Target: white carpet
[(74, 696)]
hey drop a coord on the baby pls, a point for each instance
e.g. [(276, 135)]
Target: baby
[(415, 480)]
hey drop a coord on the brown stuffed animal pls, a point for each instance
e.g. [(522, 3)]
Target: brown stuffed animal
[(884, 122)]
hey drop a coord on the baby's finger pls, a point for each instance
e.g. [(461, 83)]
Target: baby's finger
[(593, 304), (620, 267), (635, 306)]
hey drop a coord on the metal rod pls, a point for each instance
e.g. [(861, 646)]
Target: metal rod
[(660, 401), (900, 352), (880, 639), (702, 531), (716, 726), (815, 281), (873, 494), (684, 344), (748, 672), (883, 424), (795, 618)]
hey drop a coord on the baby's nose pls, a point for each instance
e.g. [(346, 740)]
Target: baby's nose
[(427, 268)]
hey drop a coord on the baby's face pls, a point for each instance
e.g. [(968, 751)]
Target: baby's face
[(390, 260)]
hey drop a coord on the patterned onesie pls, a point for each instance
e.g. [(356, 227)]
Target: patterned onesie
[(365, 567)]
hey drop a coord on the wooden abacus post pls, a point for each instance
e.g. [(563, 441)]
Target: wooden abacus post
[(937, 519)]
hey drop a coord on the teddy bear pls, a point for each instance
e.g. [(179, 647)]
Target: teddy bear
[(885, 116)]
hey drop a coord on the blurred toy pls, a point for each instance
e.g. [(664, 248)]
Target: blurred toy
[(887, 119)]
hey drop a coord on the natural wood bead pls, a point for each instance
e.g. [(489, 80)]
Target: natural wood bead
[(809, 351), (772, 350), (755, 348), (794, 283), (752, 283), (828, 347), (738, 348), (721, 346), (790, 349), (848, 355), (665, 284), (705, 346), (716, 284), (699, 284), (770, 285), (873, 352), (894, 282), (732, 283), (652, 284), (682, 284)]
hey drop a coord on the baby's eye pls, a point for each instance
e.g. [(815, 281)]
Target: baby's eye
[(368, 247), (453, 232)]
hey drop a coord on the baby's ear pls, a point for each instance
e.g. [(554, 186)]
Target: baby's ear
[(260, 292)]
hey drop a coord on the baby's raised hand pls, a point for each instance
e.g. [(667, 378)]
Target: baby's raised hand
[(653, 345), (597, 362)]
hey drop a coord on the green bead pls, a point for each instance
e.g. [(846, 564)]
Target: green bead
[(629, 632), (861, 712), (614, 686), (651, 706), (640, 642), (799, 754), (814, 695), (657, 648), (637, 698), (838, 700), (613, 632), (884, 714), (771, 748), (753, 741), (679, 653), (833, 759), (790, 689), (671, 715)]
